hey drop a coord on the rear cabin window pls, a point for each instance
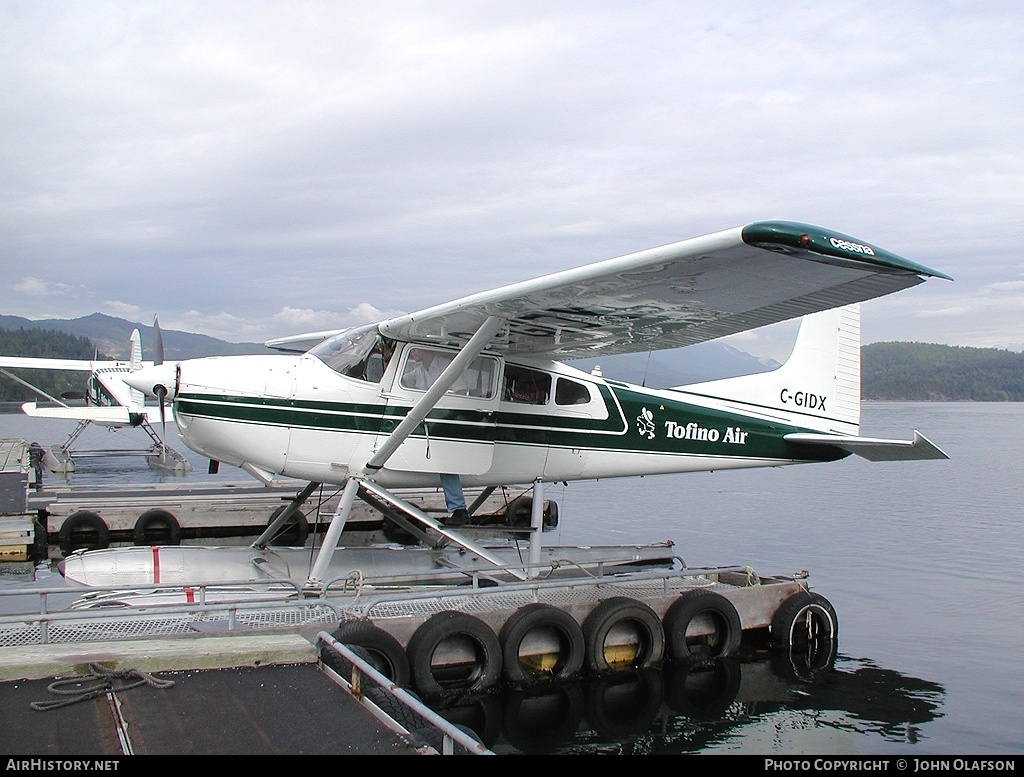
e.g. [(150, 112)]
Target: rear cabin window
[(526, 386), (569, 392)]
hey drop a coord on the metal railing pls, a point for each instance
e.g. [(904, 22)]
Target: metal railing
[(452, 736)]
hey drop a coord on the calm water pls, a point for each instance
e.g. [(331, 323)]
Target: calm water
[(920, 559)]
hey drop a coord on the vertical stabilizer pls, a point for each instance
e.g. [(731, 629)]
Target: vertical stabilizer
[(819, 385), (136, 398)]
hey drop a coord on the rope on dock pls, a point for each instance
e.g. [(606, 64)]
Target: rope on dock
[(98, 682)]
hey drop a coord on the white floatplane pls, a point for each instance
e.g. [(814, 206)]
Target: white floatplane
[(109, 402), (498, 405)]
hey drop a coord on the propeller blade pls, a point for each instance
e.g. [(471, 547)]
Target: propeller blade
[(161, 393), (158, 343)]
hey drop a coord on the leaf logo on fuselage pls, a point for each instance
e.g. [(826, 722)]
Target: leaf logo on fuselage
[(645, 423)]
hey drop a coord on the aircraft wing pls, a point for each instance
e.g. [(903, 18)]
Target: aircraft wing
[(874, 449), (114, 416), (301, 343), (39, 363), (676, 295)]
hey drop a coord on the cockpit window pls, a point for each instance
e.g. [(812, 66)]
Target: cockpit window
[(360, 353), (423, 366)]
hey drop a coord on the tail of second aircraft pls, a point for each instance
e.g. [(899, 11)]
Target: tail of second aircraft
[(819, 385)]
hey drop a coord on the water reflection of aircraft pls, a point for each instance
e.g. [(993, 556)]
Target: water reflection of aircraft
[(108, 402), (498, 409), (687, 708)]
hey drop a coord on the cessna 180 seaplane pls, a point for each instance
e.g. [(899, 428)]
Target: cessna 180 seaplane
[(109, 402), (497, 405)]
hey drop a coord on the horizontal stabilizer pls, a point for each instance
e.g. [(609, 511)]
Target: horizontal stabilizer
[(875, 449), (100, 415)]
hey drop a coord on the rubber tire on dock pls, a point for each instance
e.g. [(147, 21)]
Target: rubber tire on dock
[(519, 513), (613, 612), (294, 533), (83, 522), (802, 619), (378, 648), (723, 642), (454, 625), (535, 618), (159, 520)]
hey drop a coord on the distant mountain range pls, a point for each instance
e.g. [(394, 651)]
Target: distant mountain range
[(890, 371), (110, 336), (705, 361)]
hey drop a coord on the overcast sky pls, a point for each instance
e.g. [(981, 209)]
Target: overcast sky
[(257, 169)]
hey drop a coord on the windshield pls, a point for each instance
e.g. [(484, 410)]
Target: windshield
[(359, 353)]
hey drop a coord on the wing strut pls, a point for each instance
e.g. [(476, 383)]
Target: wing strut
[(488, 329), (419, 411)]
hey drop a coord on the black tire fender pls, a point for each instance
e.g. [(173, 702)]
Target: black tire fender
[(294, 533), (457, 629), (156, 518), (616, 611), (519, 512), (802, 618), (380, 648), (76, 522), (701, 602), (530, 620)]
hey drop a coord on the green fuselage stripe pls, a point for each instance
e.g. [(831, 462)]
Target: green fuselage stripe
[(635, 422)]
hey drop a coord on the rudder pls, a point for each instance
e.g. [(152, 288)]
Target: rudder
[(819, 385)]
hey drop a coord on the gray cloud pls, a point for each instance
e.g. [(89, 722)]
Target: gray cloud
[(243, 168)]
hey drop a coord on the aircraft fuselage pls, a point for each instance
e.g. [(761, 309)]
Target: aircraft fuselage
[(506, 422)]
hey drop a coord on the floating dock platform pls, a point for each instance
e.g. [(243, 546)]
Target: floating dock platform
[(391, 623)]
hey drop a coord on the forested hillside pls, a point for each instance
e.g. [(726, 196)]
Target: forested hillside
[(47, 344), (941, 373)]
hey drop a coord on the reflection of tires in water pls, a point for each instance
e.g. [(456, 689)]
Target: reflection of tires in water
[(807, 664), (84, 529), (805, 634), (479, 716), (157, 527), (622, 633), (702, 690), (540, 720), (625, 704), (701, 624), (454, 651), (294, 532), (541, 642), (377, 647)]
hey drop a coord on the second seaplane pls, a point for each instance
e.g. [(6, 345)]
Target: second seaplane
[(477, 391)]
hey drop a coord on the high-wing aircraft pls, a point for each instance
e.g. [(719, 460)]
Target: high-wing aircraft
[(499, 406), (109, 402)]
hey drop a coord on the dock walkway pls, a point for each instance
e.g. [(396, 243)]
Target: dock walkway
[(231, 695)]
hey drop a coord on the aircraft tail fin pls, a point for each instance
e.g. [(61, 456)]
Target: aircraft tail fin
[(136, 399), (135, 351), (819, 385)]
